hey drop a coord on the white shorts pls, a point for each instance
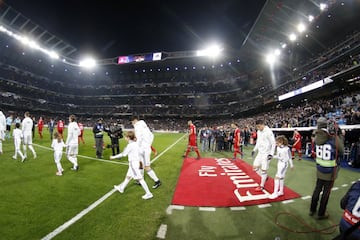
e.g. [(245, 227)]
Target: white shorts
[(57, 156), (28, 138), (72, 150), (2, 135), (146, 156), (281, 169), (17, 143), (134, 170), (261, 161)]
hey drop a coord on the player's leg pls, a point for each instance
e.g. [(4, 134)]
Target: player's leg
[(149, 171), (263, 174)]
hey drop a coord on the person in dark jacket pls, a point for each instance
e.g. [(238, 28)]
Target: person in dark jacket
[(328, 147), (98, 131), (115, 133), (350, 221)]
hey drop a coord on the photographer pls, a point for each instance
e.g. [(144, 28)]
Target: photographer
[(115, 132), (328, 147), (98, 130)]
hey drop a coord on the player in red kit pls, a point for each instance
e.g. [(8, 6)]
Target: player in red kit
[(296, 147), (60, 127), (192, 140), (81, 136), (237, 140), (40, 126)]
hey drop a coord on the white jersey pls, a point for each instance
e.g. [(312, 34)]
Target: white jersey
[(265, 142), (2, 121), (57, 146), (26, 126), (144, 137), (17, 134), (283, 154), (73, 134), (132, 150)]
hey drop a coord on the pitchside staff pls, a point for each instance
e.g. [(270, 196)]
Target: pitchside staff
[(350, 221), (328, 147), (115, 132), (98, 131)]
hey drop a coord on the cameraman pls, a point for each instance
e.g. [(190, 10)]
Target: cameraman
[(328, 147), (115, 132), (98, 131)]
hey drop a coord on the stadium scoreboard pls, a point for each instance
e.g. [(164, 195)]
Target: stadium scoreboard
[(138, 58)]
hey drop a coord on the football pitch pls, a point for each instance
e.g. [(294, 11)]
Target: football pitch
[(35, 203)]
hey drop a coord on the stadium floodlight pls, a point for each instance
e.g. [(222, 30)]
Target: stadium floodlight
[(277, 52), (301, 27), (292, 37), (322, 6), (270, 58), (283, 45), (87, 63), (211, 51), (53, 54), (310, 18)]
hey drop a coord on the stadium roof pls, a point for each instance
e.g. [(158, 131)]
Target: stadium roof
[(114, 28), (279, 18)]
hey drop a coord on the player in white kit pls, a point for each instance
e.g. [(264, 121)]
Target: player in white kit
[(283, 154), (17, 135), (26, 128), (265, 145), (72, 142), (2, 130), (144, 138), (58, 145), (132, 150)]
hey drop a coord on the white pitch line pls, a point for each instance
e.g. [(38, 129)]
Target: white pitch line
[(207, 209), (162, 231), (345, 185), (266, 205), (77, 217), (288, 201), (334, 189), (92, 206), (96, 159), (174, 207), (305, 197), (237, 208)]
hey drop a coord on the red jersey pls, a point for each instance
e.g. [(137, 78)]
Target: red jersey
[(297, 140), (40, 124), (81, 127), (237, 136), (192, 135), (60, 126)]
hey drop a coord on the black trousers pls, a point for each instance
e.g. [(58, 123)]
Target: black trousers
[(115, 146), (325, 187)]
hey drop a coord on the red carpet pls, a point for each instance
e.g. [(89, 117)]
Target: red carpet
[(221, 182)]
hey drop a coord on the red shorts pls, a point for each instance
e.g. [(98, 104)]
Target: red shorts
[(236, 148), (192, 142), (296, 147)]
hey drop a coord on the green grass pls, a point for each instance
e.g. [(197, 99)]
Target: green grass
[(34, 201)]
